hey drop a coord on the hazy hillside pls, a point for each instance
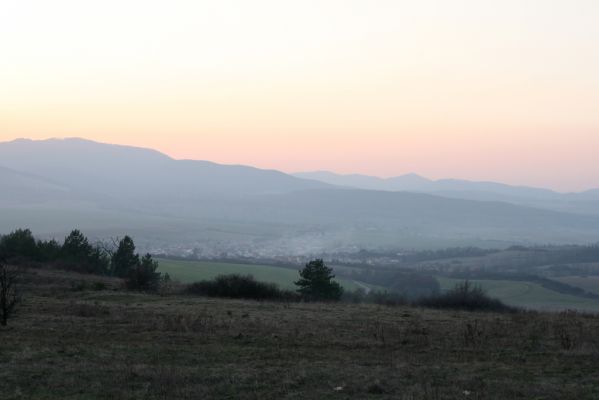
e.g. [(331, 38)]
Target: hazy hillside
[(18, 188), (583, 203), (51, 186), (409, 182), (417, 183), (123, 171)]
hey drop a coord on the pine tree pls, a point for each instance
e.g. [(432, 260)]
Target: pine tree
[(143, 276), (124, 259), (77, 254), (76, 246), (316, 282), (19, 244)]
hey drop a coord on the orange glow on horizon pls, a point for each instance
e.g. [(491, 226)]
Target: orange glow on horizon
[(468, 89)]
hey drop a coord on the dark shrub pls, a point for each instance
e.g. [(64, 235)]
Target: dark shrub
[(465, 296), (240, 287), (83, 285), (99, 286), (355, 296), (9, 291), (375, 296), (387, 298)]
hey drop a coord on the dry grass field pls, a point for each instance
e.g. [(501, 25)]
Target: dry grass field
[(71, 340)]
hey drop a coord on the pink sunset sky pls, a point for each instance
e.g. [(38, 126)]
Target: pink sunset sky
[(486, 90)]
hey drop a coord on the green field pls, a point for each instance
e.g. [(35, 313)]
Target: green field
[(192, 271), (587, 283), (527, 295)]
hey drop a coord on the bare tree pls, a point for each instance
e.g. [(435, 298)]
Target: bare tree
[(9, 294), (109, 246)]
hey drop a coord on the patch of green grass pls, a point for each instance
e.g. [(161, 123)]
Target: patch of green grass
[(193, 271), (527, 295), (586, 283)]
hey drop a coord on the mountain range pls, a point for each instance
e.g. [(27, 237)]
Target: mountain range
[(174, 205), (582, 202)]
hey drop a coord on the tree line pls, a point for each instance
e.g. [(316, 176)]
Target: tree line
[(119, 259), (76, 253)]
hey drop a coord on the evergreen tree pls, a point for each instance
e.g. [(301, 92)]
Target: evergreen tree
[(77, 254), (49, 250), (316, 282), (19, 244), (143, 276), (76, 246), (98, 261), (124, 259)]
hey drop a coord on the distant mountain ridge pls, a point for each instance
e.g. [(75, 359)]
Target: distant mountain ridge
[(583, 202), (415, 182), (54, 185), (124, 171)]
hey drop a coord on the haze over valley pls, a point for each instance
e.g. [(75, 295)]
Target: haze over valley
[(184, 207)]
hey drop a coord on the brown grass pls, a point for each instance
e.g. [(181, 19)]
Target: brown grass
[(109, 344)]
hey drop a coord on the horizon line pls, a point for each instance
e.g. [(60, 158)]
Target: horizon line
[(295, 173)]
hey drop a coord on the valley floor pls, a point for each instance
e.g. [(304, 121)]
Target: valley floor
[(70, 342)]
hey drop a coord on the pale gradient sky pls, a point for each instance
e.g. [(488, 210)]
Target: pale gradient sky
[(477, 89)]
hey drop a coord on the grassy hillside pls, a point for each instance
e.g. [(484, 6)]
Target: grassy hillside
[(76, 344), (528, 295), (192, 271), (587, 283)]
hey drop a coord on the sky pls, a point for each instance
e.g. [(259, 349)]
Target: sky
[(475, 89)]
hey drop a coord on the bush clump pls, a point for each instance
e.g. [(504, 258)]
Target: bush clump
[(239, 287), (468, 297)]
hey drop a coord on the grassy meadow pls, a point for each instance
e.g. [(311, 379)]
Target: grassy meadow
[(192, 271), (71, 342), (587, 283), (527, 295)]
